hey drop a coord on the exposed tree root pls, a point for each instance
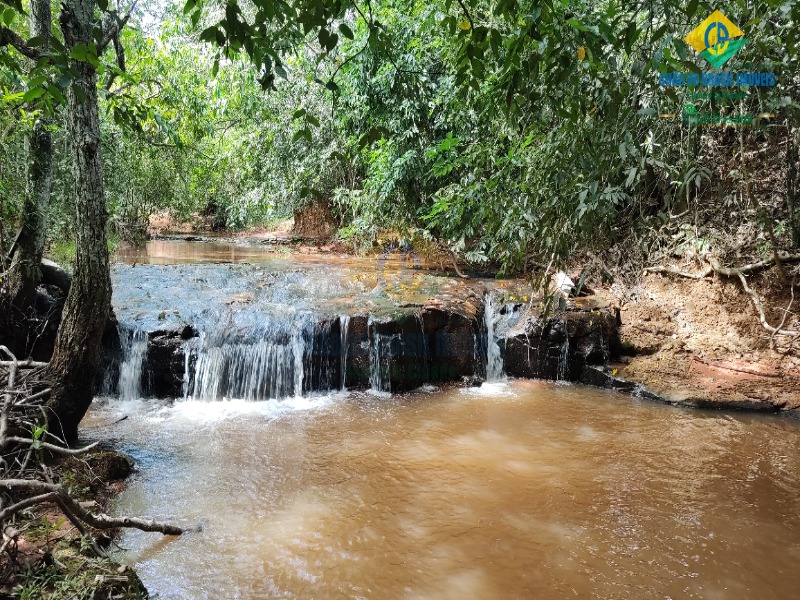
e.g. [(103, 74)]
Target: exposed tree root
[(740, 273)]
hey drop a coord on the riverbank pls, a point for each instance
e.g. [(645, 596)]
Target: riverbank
[(47, 557), (699, 343)]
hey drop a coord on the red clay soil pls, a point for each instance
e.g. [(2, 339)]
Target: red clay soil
[(699, 343)]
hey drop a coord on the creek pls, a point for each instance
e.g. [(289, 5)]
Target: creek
[(308, 487)]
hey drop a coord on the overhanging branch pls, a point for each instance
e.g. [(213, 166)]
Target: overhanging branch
[(12, 38)]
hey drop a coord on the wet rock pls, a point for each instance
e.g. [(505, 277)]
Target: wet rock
[(54, 274), (560, 345), (164, 363)]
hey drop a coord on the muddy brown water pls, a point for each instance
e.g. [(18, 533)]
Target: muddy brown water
[(518, 490)]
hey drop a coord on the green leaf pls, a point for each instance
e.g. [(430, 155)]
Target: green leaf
[(79, 52), (331, 85), (102, 4), (209, 34), (189, 6), (12, 98), (8, 16), (36, 81), (300, 112), (56, 93), (313, 120), (577, 24), (32, 94), (346, 31)]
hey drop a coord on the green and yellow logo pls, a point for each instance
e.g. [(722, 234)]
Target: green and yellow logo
[(717, 39)]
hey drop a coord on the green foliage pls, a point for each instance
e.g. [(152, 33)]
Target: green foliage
[(516, 132)]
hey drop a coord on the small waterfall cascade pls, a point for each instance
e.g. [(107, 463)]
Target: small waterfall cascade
[(263, 332), (563, 360), (278, 359), (344, 326), (134, 350), (494, 357), (381, 350)]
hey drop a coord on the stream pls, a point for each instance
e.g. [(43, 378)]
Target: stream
[(510, 489)]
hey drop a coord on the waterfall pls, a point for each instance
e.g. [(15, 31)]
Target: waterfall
[(261, 370), (380, 359), (344, 326), (264, 359), (563, 360), (494, 359), (134, 350)]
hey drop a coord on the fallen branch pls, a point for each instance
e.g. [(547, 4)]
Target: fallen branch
[(717, 365), (672, 270), (28, 502), (23, 364), (49, 492), (27, 483), (51, 447)]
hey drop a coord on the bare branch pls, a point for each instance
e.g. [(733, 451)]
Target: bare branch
[(98, 521), (115, 29), (740, 272), (53, 447), (717, 365), (28, 502)]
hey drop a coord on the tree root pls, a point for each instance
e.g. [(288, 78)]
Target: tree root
[(740, 273)]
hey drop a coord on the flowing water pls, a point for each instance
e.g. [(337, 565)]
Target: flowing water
[(520, 490), (515, 489)]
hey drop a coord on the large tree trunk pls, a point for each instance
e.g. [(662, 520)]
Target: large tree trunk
[(23, 275), (76, 358)]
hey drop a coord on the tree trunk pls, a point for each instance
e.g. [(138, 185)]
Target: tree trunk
[(791, 185), (76, 358), (24, 275)]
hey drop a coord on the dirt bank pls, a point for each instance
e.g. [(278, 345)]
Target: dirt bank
[(699, 343)]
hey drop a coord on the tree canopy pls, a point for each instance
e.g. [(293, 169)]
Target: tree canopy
[(514, 132)]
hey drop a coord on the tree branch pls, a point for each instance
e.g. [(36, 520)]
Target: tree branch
[(466, 12), (12, 38), (98, 521), (740, 274), (115, 29)]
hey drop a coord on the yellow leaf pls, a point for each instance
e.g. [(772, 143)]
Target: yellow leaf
[(464, 25), (614, 372), (581, 53)]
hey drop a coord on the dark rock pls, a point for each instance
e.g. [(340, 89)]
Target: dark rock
[(560, 345), (53, 274), (164, 364), (110, 465)]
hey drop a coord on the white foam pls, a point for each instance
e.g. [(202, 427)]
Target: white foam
[(490, 388), (215, 410)]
